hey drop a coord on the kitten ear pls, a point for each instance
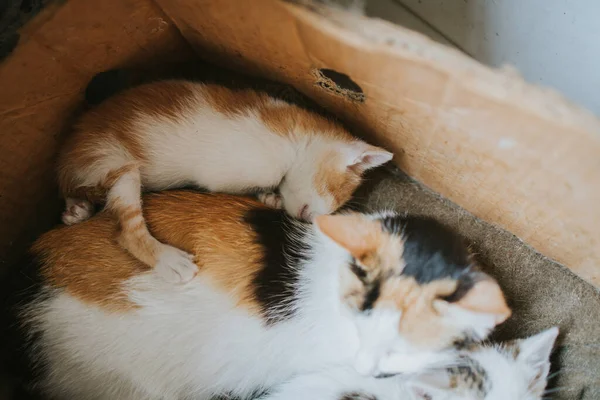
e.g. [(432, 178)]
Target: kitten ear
[(486, 297), (364, 157), (535, 350), (480, 309), (353, 232)]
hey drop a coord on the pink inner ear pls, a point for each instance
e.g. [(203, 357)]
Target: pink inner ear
[(370, 158), (486, 297)]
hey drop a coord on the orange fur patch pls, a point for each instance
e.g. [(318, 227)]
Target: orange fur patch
[(289, 119), (87, 261), (486, 297), (234, 102), (281, 117), (112, 121), (333, 178), (420, 323), (113, 176)]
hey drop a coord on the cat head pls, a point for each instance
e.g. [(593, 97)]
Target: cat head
[(517, 370), (325, 175), (411, 287)]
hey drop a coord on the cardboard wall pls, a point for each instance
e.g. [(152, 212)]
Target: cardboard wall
[(42, 85), (512, 154)]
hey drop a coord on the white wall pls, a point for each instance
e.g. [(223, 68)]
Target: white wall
[(552, 42)]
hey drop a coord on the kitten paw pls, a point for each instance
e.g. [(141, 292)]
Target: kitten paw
[(76, 211), (176, 266), (271, 199)]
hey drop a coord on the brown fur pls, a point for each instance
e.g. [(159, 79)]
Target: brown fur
[(238, 102), (282, 118), (112, 120), (341, 184), (286, 118), (421, 323), (86, 260)]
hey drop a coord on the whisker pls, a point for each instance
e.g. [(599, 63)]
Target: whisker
[(554, 374), (558, 389)]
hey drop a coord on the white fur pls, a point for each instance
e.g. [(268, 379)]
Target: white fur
[(510, 379), (190, 341), (175, 265)]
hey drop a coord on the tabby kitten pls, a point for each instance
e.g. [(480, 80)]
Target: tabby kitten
[(177, 133), (274, 297), (516, 370)]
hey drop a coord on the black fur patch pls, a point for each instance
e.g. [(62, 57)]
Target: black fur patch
[(433, 252), (357, 396), (358, 271), (470, 375), (373, 292), (275, 284), (256, 395)]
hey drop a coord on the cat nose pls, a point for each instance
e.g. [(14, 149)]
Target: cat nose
[(304, 213)]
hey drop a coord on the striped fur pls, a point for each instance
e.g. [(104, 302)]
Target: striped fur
[(176, 133), (273, 297)]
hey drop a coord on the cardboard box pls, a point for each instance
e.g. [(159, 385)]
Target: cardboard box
[(510, 153), (516, 156)]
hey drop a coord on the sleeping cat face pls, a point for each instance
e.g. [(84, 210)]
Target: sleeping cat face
[(326, 174), (412, 289), (516, 370)]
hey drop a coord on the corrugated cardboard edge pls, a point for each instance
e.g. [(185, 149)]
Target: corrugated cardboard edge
[(511, 153), (505, 84)]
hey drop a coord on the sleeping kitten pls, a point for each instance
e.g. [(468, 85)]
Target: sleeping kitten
[(513, 371), (175, 133), (273, 298)]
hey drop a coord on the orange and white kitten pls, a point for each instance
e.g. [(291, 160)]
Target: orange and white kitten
[(273, 298), (174, 133)]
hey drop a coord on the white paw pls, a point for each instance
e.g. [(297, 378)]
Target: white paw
[(271, 199), (176, 266), (76, 211)]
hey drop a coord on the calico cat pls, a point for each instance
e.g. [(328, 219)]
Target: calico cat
[(274, 297), (516, 370), (177, 133)]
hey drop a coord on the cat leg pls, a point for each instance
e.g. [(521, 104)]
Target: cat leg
[(271, 199), (124, 199), (77, 210)]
